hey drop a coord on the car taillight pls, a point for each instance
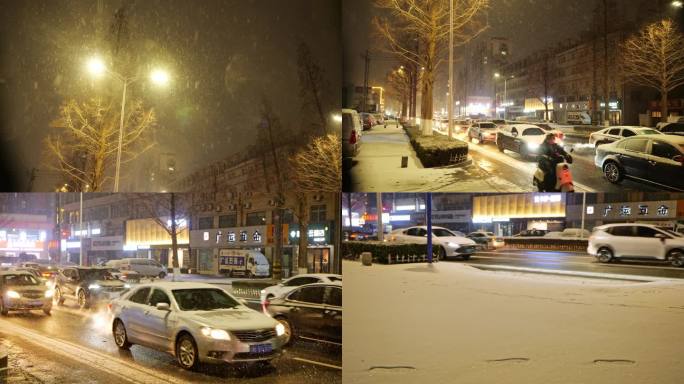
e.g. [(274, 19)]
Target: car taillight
[(109, 307), (352, 138)]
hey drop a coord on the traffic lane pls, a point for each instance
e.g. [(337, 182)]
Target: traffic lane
[(575, 262), (91, 329)]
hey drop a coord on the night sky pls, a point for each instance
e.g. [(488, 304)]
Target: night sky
[(223, 56), (529, 24)]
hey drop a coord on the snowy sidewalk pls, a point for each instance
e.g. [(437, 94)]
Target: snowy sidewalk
[(451, 323), (378, 168)]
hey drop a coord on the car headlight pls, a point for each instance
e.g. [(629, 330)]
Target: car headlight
[(13, 294), (49, 293), (127, 286), (532, 145), (450, 244), (94, 286), (218, 334), (280, 329)]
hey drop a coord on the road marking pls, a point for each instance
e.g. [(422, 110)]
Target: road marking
[(317, 363), (127, 371)]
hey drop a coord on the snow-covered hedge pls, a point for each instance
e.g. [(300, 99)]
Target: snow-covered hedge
[(437, 150), (386, 253)]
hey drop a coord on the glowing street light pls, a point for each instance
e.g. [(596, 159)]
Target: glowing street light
[(97, 67), (677, 4)]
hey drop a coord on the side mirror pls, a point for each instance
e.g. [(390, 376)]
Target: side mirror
[(514, 133), (163, 306)]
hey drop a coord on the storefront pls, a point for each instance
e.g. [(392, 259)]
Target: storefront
[(662, 212), (320, 253), (24, 234), (146, 238), (507, 215)]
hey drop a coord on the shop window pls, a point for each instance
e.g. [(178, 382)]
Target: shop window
[(287, 217), (227, 221), (317, 214), (206, 222), (256, 218)]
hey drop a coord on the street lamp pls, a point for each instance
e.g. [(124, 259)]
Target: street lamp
[(97, 67), (504, 103), (677, 4)]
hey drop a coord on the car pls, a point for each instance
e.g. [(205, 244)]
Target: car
[(656, 159), (22, 291), (483, 131), (351, 134), (195, 322), (368, 121), (379, 118), (312, 311), (144, 267), (446, 242), (673, 129), (636, 241), (670, 119), (532, 233), (576, 233), (88, 286), (486, 239), (296, 281), (525, 139), (611, 134)]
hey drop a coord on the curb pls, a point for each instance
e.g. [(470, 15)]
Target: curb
[(591, 275)]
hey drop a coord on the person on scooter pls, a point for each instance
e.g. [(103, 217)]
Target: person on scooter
[(550, 155)]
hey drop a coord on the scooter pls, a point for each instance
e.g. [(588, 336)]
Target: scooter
[(563, 178)]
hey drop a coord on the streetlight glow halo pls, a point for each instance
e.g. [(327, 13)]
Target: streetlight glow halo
[(159, 76), (96, 66)]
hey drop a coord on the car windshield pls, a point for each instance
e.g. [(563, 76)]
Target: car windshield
[(533, 132), (203, 299), (487, 125), (441, 232), (20, 279), (96, 274), (334, 278), (648, 132)]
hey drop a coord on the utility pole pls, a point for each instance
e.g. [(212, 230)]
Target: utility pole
[(378, 203), (428, 220), (606, 119), (80, 230), (450, 98), (584, 210), (366, 58)]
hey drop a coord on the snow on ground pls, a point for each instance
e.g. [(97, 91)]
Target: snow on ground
[(451, 323), (378, 168)]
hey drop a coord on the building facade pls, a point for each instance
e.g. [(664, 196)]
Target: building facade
[(26, 226)]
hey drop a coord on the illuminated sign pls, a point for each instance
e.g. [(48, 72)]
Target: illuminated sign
[(555, 198), (400, 217), (590, 210), (317, 234), (643, 210), (205, 236)]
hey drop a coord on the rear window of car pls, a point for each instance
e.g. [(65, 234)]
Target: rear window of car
[(487, 125), (533, 132), (637, 145), (614, 131), (312, 295), (623, 230), (648, 132)]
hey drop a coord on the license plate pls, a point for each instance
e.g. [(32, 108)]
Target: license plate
[(36, 303), (261, 348)]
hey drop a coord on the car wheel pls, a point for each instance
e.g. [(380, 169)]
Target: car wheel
[(58, 298), (186, 352), (441, 253), (676, 258), (613, 172), (289, 331), (162, 275), (604, 255), (83, 301), (499, 145), (479, 139), (120, 335), (3, 310), (466, 257)]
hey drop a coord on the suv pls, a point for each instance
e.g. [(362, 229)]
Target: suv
[(636, 241), (87, 286), (483, 131), (144, 267)]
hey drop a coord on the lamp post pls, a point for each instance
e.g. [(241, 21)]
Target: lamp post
[(450, 95), (505, 96), (97, 67)]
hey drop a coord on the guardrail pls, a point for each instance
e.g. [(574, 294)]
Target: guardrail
[(550, 244), (249, 289)]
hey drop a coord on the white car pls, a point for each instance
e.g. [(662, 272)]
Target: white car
[(288, 285), (636, 241), (445, 241), (611, 134), (488, 239), (196, 322), (144, 267), (524, 139)]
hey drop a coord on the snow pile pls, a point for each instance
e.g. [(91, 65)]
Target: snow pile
[(450, 323)]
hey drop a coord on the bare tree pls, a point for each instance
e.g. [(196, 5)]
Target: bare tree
[(418, 32), (313, 89), (84, 144), (539, 81), (399, 82), (654, 58)]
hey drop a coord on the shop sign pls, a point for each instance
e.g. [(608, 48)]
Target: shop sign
[(639, 210), (106, 243), (236, 236), (317, 234)]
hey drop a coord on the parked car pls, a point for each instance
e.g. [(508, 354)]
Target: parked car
[(351, 134), (196, 322), (486, 239), (312, 311), (673, 129), (657, 159), (22, 291), (379, 118), (532, 233), (525, 139), (576, 233), (288, 285), (368, 121), (144, 267), (483, 132), (670, 119), (446, 242), (611, 134), (88, 286), (636, 241)]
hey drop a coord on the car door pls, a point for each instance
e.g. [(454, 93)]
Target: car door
[(157, 324), (132, 313), (663, 166), (634, 158), (647, 244), (307, 310), (70, 283), (626, 242), (333, 314)]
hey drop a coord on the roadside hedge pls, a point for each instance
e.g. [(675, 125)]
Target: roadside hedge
[(436, 150), (387, 253), (552, 244)]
